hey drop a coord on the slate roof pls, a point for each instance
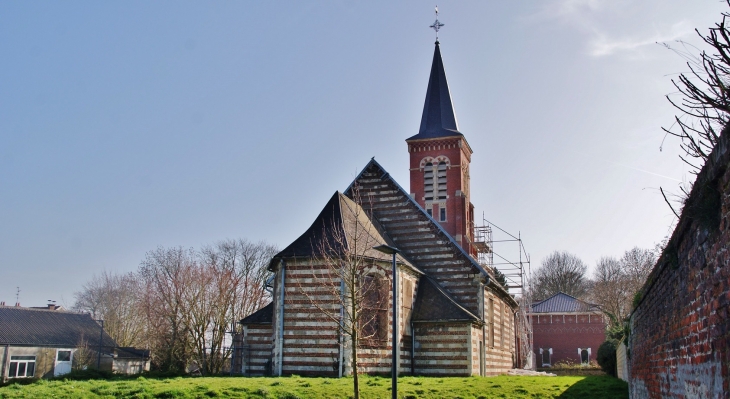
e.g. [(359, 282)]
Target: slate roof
[(373, 165), (128, 352), (438, 118), (434, 304), (37, 327), (264, 315), (335, 227), (563, 303)]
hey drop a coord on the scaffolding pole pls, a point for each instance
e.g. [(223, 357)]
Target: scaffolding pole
[(513, 263)]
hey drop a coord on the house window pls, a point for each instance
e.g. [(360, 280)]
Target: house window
[(63, 356), (374, 314), (429, 211), (428, 181), (22, 367), (442, 214), (545, 356)]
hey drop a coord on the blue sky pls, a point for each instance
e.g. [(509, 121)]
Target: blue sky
[(130, 125)]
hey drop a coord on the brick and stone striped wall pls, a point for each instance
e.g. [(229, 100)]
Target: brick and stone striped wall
[(679, 346), (500, 352), (257, 356), (443, 349), (311, 339), (311, 344)]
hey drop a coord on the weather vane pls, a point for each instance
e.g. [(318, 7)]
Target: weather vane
[(437, 25)]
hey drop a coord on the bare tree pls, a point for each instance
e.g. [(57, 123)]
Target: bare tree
[(560, 272), (610, 290), (166, 272), (226, 285), (705, 103), (616, 281), (115, 298), (349, 284), (637, 264), (182, 303), (83, 356)]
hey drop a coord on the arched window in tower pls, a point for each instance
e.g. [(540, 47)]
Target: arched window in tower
[(442, 180), (428, 181)]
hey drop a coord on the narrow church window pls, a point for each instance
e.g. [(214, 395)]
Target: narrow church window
[(428, 181), (374, 315), (442, 180), (490, 309), (481, 359), (442, 214), (501, 334), (407, 304)]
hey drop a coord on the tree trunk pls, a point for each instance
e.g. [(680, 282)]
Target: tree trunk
[(355, 337)]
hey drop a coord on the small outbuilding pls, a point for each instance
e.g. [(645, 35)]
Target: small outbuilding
[(43, 343), (566, 329)]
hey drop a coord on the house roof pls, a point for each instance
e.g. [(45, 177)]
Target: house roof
[(438, 118), (128, 352), (264, 315), (563, 303), (434, 304), (38, 327), (338, 228)]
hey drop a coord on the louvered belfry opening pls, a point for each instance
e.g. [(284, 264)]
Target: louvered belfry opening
[(428, 181), (442, 180)]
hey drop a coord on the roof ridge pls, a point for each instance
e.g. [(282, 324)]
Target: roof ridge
[(423, 211), (56, 311)]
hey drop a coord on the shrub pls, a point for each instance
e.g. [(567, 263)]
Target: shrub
[(607, 356)]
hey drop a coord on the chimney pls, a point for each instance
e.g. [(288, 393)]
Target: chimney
[(17, 304), (2, 303), (51, 306)]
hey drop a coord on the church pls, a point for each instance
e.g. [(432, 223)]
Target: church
[(454, 318)]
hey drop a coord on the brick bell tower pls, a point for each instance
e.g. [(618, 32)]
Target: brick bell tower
[(439, 161)]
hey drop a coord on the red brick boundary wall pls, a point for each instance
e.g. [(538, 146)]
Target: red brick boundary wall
[(680, 328)]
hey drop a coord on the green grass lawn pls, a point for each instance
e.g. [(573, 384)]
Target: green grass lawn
[(298, 387)]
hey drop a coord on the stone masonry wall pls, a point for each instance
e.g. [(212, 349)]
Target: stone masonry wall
[(680, 331)]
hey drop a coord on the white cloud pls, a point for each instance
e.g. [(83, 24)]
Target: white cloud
[(602, 45), (599, 19)]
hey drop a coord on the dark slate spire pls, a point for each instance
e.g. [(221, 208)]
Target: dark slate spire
[(438, 118)]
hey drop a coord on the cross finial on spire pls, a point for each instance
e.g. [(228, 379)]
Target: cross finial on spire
[(437, 25)]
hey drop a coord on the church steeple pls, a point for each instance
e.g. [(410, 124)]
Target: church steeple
[(440, 158), (438, 119)]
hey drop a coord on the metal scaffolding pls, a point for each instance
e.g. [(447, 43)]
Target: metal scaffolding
[(513, 262)]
